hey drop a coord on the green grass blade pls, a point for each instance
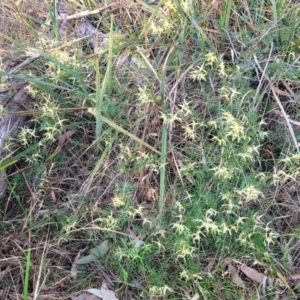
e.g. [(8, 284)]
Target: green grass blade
[(162, 179), (8, 161), (226, 8), (40, 83), (275, 11), (36, 20), (52, 13), (97, 167), (202, 37), (34, 80), (164, 141), (100, 91), (122, 130), (154, 12), (51, 92), (100, 161), (99, 99), (66, 68), (8, 38), (27, 25), (26, 280), (293, 27), (163, 154)]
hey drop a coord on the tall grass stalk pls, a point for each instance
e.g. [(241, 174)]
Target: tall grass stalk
[(100, 90), (226, 9), (164, 138), (27, 274)]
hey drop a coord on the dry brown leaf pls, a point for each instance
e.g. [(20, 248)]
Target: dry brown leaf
[(235, 276), (195, 297), (283, 280), (4, 272), (281, 92), (270, 280), (107, 293), (211, 263), (253, 274), (92, 297), (85, 296), (52, 194), (64, 137), (137, 242), (152, 194), (74, 265), (293, 277)]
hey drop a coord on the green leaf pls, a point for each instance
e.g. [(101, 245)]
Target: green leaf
[(95, 253), (124, 274), (86, 259), (100, 250)]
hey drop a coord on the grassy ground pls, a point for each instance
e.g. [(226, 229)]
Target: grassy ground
[(181, 167)]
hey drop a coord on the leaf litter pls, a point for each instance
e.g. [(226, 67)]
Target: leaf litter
[(94, 294), (255, 275), (137, 242), (95, 253), (234, 274), (250, 273)]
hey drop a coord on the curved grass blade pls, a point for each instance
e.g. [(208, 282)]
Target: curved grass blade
[(42, 84), (100, 91), (164, 137), (66, 68), (122, 130), (52, 12), (8, 38), (34, 80), (154, 12), (8, 161)]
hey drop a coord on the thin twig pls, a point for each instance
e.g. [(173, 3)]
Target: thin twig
[(291, 121), (101, 269), (25, 63), (262, 76), (87, 13), (41, 268)]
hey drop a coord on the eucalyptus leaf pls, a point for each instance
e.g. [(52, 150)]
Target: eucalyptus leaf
[(100, 250), (96, 292), (86, 259), (95, 253)]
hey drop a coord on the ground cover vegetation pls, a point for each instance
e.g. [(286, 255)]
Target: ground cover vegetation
[(164, 162)]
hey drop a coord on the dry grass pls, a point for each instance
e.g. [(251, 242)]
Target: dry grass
[(15, 24), (218, 206)]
